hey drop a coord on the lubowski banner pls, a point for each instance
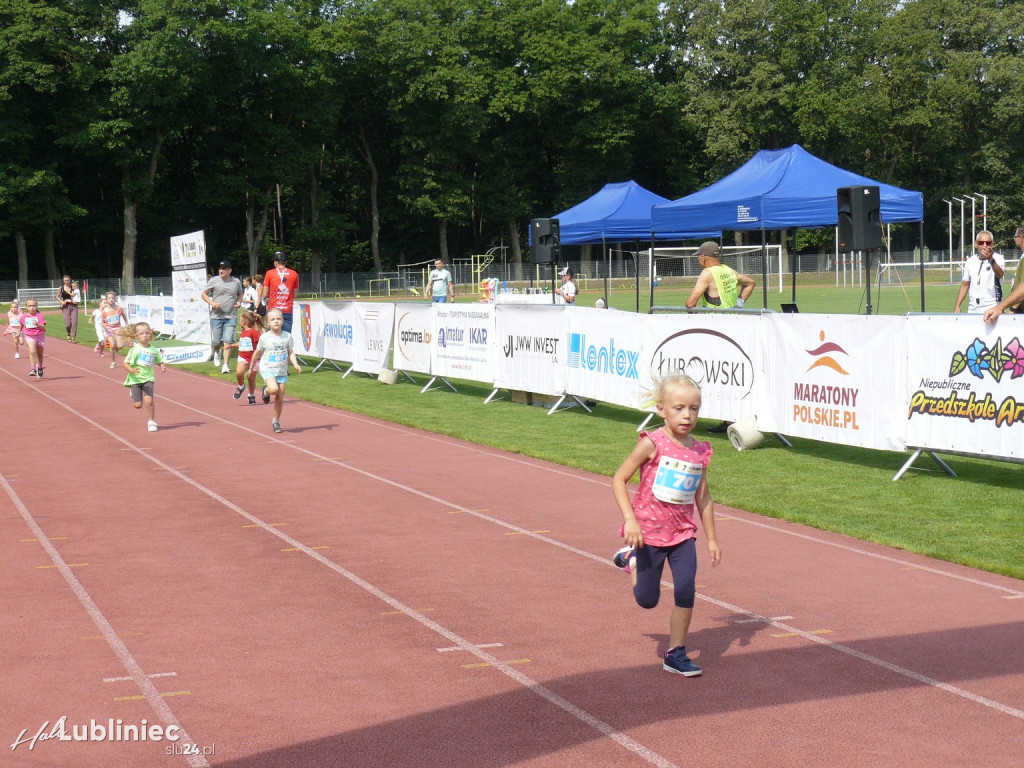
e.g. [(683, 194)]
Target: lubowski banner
[(937, 382)]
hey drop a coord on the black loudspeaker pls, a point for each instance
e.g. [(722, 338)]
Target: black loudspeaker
[(544, 241), (860, 218)]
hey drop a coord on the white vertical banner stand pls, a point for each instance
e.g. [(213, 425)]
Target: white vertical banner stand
[(188, 273)]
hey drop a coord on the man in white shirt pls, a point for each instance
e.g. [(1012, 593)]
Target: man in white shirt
[(440, 286), (982, 273), (568, 288)]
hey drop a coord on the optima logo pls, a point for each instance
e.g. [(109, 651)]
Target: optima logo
[(604, 359)]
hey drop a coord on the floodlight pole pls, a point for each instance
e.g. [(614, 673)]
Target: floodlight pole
[(984, 210), (949, 207), (959, 200), (973, 225)]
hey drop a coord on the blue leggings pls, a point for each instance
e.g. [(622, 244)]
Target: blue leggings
[(650, 562)]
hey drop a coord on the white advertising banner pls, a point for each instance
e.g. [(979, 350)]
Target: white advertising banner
[(603, 355), (307, 328), (719, 352), (414, 328), (373, 325), (837, 378), (530, 348), (337, 331), (158, 311), (966, 384), (462, 342), (188, 276)]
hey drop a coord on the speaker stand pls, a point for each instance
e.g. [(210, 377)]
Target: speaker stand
[(868, 276)]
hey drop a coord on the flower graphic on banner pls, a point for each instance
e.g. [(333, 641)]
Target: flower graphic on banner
[(998, 360), (1015, 362)]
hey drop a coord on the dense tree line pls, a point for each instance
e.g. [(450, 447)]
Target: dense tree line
[(359, 134)]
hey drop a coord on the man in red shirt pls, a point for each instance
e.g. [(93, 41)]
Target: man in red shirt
[(280, 287)]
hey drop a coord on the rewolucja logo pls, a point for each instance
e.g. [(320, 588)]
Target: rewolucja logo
[(824, 354), (997, 360)]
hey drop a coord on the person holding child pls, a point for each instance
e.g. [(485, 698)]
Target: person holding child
[(69, 307)]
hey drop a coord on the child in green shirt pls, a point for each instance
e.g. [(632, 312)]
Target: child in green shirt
[(139, 363)]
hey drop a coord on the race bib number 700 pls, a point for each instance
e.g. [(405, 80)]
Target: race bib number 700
[(676, 480)]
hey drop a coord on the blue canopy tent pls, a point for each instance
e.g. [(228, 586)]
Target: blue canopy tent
[(781, 189), (618, 213)]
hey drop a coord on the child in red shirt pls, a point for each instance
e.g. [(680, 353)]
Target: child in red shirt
[(247, 340)]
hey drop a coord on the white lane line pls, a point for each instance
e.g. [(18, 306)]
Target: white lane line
[(153, 696), (881, 663), (538, 464), (897, 669), (131, 666)]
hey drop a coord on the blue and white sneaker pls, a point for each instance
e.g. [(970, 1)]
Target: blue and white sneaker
[(623, 559), (678, 663)]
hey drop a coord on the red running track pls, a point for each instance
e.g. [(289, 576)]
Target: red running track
[(355, 592)]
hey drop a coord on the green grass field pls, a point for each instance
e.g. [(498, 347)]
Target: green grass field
[(974, 519)]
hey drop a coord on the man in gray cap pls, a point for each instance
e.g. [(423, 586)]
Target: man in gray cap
[(718, 286), (224, 295)]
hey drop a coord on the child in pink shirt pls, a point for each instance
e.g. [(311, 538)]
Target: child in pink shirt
[(14, 327), (660, 522), (33, 327)]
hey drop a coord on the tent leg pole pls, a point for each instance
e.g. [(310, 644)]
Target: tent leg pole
[(920, 239), (764, 268)]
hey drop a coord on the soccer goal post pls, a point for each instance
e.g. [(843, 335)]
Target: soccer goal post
[(678, 267)]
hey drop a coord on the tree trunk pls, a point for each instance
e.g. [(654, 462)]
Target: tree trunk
[(517, 251), (364, 150), (131, 233), (48, 253), (254, 234), (314, 222), (442, 240), (19, 243), (131, 212)]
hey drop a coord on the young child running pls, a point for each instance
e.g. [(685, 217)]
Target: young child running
[(275, 350), (659, 523), (139, 363), (33, 326), (97, 324), (14, 327), (114, 319), (247, 341)]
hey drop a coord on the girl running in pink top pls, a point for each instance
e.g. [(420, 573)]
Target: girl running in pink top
[(659, 524), (33, 326), (14, 327), (113, 318)]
